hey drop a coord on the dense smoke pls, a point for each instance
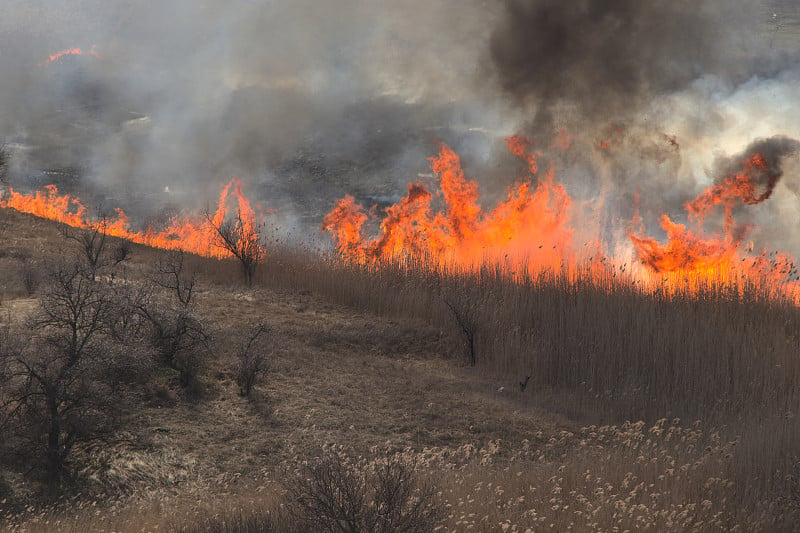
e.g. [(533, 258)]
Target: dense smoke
[(608, 59), (772, 152), (305, 100), (656, 95), (308, 100)]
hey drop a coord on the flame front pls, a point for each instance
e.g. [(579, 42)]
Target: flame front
[(531, 226), (194, 234), (696, 258), (530, 231)]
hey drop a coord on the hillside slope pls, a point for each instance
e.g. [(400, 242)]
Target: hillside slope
[(363, 385)]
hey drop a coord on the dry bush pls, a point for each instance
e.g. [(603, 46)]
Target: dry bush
[(335, 493), (165, 303), (91, 244), (121, 251), (242, 239), (30, 276), (253, 359), (466, 308)]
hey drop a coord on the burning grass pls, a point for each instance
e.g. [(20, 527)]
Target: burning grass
[(369, 355), (196, 234)]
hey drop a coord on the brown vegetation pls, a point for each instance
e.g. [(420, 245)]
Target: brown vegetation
[(602, 434)]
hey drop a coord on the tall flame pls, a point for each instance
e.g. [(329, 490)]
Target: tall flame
[(193, 234), (697, 257), (530, 226), (530, 231)]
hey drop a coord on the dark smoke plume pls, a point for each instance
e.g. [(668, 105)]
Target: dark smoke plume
[(607, 58), (771, 152)]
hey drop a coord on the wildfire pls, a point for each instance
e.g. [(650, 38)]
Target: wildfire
[(530, 227), (193, 234), (698, 257), (443, 224), (70, 52), (530, 231)]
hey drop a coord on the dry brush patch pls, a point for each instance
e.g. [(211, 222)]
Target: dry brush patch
[(364, 357)]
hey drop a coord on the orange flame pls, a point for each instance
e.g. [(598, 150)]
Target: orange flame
[(699, 258), (193, 234), (530, 227), (530, 232), (70, 52)]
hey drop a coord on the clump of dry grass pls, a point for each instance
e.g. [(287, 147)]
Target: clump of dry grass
[(721, 352), (661, 477)]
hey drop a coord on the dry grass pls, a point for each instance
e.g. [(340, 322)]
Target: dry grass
[(371, 359)]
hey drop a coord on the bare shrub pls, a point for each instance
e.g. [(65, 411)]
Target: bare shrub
[(171, 274), (91, 243), (30, 276), (467, 319), (252, 361), (121, 251), (334, 493), (180, 338)]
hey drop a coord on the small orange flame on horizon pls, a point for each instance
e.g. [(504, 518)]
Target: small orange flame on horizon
[(70, 52), (194, 234)]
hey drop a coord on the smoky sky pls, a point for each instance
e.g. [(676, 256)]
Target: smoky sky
[(609, 58), (303, 99), (309, 100)]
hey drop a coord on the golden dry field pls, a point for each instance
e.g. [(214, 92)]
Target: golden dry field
[(641, 412)]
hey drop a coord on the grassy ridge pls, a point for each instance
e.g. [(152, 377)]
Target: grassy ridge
[(358, 364)]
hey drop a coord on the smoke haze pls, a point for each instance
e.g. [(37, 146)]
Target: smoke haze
[(308, 100)]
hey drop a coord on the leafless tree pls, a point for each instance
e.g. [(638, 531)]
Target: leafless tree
[(91, 242), (66, 384), (465, 313), (178, 335), (121, 252), (172, 275), (253, 359), (242, 239), (30, 275)]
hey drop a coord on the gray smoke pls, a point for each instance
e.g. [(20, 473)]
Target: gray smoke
[(771, 153), (309, 100), (608, 59), (658, 95), (305, 100)]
